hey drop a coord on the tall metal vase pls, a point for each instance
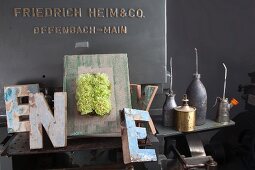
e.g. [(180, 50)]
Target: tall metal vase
[(198, 98)]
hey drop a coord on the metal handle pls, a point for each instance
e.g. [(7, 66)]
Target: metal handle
[(171, 76), (182, 160)]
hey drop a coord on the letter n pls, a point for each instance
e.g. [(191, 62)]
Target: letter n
[(54, 125)]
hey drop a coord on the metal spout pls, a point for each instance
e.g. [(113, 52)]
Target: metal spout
[(225, 81), (171, 76), (196, 74), (196, 61)]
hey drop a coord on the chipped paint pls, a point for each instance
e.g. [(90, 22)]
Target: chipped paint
[(135, 154), (54, 125), (15, 110)]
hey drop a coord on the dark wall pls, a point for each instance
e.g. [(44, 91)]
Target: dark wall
[(222, 31), (28, 58)]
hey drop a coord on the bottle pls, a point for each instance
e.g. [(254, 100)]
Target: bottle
[(197, 96), (168, 110), (170, 104)]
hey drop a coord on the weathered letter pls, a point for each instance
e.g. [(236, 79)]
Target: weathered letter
[(41, 115), (131, 134)]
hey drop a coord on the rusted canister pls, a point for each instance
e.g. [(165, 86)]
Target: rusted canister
[(185, 116)]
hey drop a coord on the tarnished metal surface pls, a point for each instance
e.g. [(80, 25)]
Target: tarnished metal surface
[(191, 162), (198, 98), (197, 95), (209, 125), (196, 146), (168, 110), (185, 116), (211, 165), (223, 111), (223, 105)]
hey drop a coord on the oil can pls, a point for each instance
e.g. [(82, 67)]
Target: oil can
[(197, 95), (168, 110), (185, 116)]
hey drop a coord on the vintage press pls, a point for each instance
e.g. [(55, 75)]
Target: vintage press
[(185, 116), (170, 104), (223, 105), (197, 96)]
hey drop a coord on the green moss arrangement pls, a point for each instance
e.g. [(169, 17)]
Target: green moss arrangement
[(84, 93), (93, 94)]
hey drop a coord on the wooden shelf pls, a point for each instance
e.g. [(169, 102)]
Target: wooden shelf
[(170, 131)]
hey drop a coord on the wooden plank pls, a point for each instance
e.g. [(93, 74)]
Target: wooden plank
[(142, 99), (131, 134), (86, 125), (150, 92), (41, 115), (136, 96), (16, 111)]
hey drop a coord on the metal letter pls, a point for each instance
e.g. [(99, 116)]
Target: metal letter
[(41, 115), (131, 134), (17, 11), (16, 109)]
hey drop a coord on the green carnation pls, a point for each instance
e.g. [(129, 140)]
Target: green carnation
[(93, 94)]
